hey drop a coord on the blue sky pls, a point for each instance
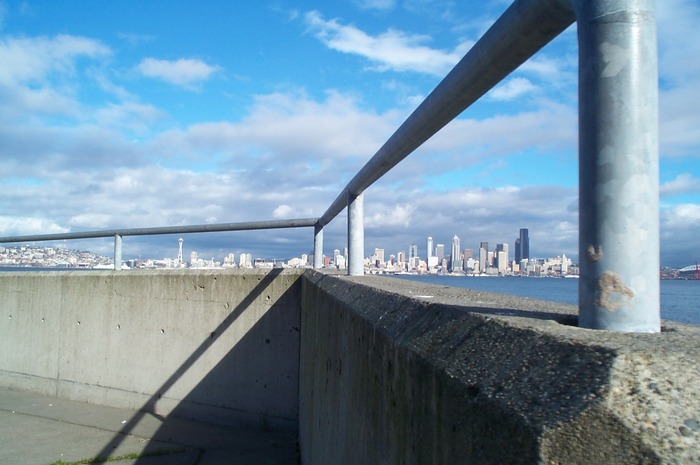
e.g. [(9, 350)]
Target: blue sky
[(117, 114)]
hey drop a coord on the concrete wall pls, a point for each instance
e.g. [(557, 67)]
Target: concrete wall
[(369, 369), (216, 345), (395, 372)]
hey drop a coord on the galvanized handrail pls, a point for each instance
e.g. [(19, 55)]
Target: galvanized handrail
[(197, 228), (618, 149)]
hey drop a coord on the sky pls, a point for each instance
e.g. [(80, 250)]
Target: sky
[(124, 114)]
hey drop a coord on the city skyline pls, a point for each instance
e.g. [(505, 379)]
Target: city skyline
[(119, 116)]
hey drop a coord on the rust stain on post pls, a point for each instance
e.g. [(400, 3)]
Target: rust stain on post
[(612, 292), (594, 254)]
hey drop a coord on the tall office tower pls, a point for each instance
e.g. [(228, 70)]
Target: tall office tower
[(430, 247), (518, 252), (412, 252), (401, 258), (524, 245), (501, 257), (501, 248), (483, 256), (455, 263), (440, 252), (379, 253), (179, 252), (468, 253)]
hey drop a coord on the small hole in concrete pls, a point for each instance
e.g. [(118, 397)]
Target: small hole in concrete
[(78, 323), (162, 331), (43, 320), (119, 326)]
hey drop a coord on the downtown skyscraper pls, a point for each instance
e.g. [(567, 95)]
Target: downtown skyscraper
[(522, 246)]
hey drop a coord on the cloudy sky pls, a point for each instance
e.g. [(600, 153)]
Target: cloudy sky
[(121, 114)]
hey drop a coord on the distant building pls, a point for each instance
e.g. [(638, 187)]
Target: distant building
[(501, 257), (430, 247), (440, 252), (379, 254), (483, 256), (412, 252), (456, 259), (522, 246)]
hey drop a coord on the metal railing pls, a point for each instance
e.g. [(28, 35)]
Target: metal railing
[(618, 150)]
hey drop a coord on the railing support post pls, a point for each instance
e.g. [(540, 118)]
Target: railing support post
[(618, 165), (356, 235), (117, 252), (318, 247)]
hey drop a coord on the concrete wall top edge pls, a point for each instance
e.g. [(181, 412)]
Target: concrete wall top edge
[(517, 356), (157, 272), (556, 319)]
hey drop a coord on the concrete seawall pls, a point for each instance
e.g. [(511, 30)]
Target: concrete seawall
[(220, 346), (367, 369), (402, 373)]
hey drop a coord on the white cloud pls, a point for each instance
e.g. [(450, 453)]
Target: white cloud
[(32, 60), (23, 225), (682, 184), (291, 130), (183, 72), (282, 211), (391, 50), (131, 116), (396, 215), (512, 88), (39, 75), (685, 215)]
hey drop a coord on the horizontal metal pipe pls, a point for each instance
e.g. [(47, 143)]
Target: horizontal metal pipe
[(525, 27), (200, 228)]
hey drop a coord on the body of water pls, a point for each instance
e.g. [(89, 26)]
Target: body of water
[(680, 300)]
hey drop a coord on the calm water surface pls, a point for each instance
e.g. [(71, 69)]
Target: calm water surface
[(680, 300)]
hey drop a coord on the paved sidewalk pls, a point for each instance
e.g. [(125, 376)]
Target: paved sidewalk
[(39, 430)]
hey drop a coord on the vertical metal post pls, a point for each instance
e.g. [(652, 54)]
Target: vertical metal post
[(117, 252), (618, 165), (356, 235), (318, 247)]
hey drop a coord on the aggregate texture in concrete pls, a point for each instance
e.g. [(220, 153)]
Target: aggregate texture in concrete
[(394, 371)]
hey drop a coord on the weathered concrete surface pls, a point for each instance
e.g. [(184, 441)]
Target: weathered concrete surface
[(214, 345), (39, 430), (396, 372)]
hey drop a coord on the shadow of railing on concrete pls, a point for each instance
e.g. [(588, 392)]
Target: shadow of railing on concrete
[(150, 407)]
